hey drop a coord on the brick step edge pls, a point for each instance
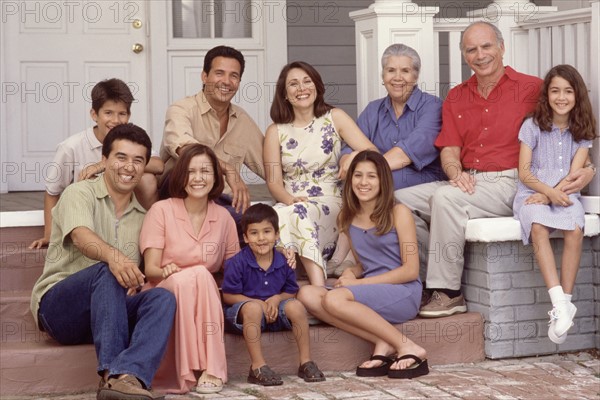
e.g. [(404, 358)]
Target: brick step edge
[(44, 366)]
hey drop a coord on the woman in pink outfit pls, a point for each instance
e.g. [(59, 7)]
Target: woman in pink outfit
[(185, 239)]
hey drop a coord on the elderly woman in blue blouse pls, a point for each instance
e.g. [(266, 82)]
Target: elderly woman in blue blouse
[(403, 125)]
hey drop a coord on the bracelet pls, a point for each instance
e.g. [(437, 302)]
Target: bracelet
[(590, 165)]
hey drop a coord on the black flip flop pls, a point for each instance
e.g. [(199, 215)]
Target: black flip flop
[(381, 370), (419, 368)]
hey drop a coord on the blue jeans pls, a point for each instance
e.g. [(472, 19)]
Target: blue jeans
[(129, 332)]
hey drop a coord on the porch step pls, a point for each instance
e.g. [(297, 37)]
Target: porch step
[(20, 270), (16, 322), (20, 234), (42, 366), (32, 363), (32, 368), (20, 267)]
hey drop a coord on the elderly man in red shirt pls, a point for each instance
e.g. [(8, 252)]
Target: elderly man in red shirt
[(479, 144)]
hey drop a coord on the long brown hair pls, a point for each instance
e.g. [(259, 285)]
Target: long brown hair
[(180, 175), (383, 213), (582, 123), (281, 109)]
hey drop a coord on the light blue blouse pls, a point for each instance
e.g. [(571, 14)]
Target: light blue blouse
[(414, 132)]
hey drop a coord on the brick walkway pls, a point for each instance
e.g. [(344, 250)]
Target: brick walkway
[(568, 376)]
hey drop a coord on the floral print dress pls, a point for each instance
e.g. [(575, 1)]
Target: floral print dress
[(309, 159)]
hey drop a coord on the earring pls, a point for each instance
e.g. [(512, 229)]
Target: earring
[(383, 83)]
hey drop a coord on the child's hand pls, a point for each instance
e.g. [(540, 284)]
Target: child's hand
[(559, 198), (347, 279), (290, 257), (39, 243), (169, 270), (537, 198), (272, 310), (91, 171)]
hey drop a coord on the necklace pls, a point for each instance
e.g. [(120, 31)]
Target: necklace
[(304, 125)]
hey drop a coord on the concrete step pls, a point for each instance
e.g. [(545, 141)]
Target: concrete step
[(21, 234), (16, 322), (35, 368), (20, 267), (20, 270), (43, 366), (32, 363)]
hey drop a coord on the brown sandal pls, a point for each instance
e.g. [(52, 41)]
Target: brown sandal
[(264, 376), (310, 372)]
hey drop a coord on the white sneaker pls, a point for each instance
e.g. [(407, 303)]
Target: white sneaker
[(561, 318), (552, 336)]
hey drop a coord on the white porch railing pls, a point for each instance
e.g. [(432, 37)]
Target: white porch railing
[(557, 38), (455, 61), (536, 38)]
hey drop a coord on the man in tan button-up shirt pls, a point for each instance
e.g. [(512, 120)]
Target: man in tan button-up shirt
[(209, 118)]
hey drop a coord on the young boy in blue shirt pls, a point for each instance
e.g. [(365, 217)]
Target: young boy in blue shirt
[(259, 290)]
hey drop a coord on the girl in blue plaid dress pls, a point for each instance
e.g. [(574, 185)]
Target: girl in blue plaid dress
[(555, 141)]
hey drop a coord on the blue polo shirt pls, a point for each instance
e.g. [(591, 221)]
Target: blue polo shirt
[(414, 132), (244, 276)]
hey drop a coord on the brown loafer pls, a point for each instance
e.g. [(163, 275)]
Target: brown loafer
[(126, 387)]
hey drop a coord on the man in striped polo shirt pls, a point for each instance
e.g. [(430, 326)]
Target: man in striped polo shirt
[(87, 291)]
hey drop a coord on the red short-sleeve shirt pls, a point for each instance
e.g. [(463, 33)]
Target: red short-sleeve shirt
[(487, 130)]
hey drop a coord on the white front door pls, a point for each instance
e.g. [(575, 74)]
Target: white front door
[(184, 30), (53, 53)]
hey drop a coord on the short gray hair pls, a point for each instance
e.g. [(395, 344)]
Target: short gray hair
[(399, 49), (497, 32)]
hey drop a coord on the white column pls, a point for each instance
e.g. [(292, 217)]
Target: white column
[(386, 22)]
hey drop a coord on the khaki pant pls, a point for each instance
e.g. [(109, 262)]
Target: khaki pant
[(441, 214)]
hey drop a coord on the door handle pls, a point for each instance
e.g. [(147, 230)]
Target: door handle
[(137, 48)]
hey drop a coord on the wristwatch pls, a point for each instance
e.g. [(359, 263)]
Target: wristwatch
[(590, 165)]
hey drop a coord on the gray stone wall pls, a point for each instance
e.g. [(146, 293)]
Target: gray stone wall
[(503, 282)]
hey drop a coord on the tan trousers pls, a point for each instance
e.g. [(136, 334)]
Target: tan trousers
[(441, 214)]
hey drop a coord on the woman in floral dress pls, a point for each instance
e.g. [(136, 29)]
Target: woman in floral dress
[(301, 154)]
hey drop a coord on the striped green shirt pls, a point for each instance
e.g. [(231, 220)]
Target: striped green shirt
[(86, 204)]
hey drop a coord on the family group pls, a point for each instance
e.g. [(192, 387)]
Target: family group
[(155, 257)]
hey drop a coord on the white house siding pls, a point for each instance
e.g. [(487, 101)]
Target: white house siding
[(321, 33)]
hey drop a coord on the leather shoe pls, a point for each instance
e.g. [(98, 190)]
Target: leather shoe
[(125, 387)]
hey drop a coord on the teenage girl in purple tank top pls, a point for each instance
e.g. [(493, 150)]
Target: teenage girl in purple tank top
[(376, 293)]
